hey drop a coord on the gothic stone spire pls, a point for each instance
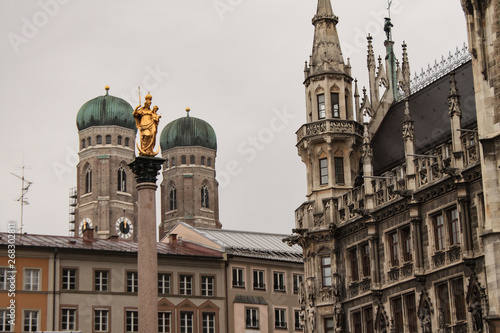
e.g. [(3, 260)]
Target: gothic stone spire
[(326, 54)]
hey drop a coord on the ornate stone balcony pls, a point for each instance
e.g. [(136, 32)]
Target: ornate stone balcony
[(330, 126), (439, 259), (454, 253)]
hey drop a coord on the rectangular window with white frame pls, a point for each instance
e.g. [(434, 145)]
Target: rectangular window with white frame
[(208, 322), (164, 283), (259, 281), (185, 284), (207, 285), (30, 322), (279, 281), (280, 318), (164, 320), (297, 281), (32, 279), (5, 325), (101, 320), (101, 278), (131, 321), (132, 282), (68, 319), (186, 324), (238, 278), (68, 279), (252, 318)]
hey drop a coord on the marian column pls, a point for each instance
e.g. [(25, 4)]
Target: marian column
[(146, 167)]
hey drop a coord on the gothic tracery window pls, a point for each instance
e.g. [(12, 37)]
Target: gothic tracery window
[(122, 179), (173, 198), (204, 196), (88, 180)]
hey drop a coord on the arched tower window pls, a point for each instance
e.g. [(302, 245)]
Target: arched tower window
[(88, 180), (191, 159), (127, 142), (203, 160), (173, 198), (99, 139), (83, 143), (209, 162), (204, 196), (89, 141), (173, 161), (108, 139), (119, 139), (122, 179), (167, 163), (183, 159)]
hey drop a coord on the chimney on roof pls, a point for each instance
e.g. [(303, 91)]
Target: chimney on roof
[(173, 239), (88, 234)]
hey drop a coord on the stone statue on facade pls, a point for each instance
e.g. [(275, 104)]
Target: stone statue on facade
[(302, 294), (312, 319), (302, 315), (147, 122), (338, 318)]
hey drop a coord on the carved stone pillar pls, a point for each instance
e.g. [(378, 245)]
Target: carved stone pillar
[(416, 230), (374, 260), (464, 215)]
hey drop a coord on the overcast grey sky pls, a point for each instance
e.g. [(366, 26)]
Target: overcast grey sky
[(238, 64)]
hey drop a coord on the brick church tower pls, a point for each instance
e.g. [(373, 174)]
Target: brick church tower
[(189, 191), (106, 193)]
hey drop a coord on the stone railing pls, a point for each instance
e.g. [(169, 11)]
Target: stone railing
[(332, 126)]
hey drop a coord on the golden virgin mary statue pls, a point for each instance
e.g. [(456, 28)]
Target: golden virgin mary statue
[(147, 121)]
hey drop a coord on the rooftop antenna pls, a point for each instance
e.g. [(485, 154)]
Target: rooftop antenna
[(25, 185)]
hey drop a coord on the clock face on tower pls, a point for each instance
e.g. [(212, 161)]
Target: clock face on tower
[(84, 225), (124, 227)]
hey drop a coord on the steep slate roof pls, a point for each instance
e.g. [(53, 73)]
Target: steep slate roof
[(429, 111), (254, 244), (104, 245)]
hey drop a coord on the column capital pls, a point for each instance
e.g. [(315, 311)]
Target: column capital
[(146, 168)]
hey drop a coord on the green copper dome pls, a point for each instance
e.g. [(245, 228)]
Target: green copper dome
[(105, 110), (188, 131)]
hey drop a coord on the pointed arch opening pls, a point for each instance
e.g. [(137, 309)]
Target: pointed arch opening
[(172, 196), (122, 179), (205, 200), (88, 180)]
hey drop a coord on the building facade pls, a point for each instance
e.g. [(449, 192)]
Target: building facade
[(88, 284), (263, 277), (395, 228)]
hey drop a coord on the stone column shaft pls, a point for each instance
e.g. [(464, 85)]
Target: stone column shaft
[(145, 170), (147, 259)]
